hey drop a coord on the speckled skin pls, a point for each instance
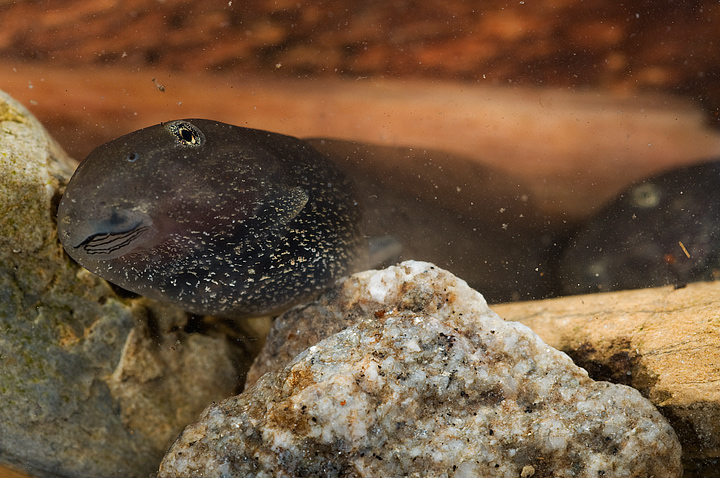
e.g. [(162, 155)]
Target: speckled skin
[(637, 240), (215, 218)]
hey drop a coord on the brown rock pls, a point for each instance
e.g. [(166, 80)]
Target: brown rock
[(91, 384)]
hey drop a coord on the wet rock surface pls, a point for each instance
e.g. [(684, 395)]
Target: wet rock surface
[(421, 380), (90, 384), (662, 341)]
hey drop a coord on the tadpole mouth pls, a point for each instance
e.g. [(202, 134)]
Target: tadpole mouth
[(108, 243)]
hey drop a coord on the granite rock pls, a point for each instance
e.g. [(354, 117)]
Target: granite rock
[(422, 379), (90, 384), (662, 341)]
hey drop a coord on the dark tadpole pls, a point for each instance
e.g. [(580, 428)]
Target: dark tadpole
[(218, 219), (660, 231), (236, 222)]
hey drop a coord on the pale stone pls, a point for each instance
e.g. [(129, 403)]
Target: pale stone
[(662, 341), (420, 378)]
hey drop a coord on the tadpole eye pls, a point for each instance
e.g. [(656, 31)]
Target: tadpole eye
[(186, 133), (132, 157), (645, 196)]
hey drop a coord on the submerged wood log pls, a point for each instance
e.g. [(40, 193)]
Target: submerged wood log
[(665, 342), (575, 150)]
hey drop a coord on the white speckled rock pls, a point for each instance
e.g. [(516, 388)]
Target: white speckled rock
[(427, 381)]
